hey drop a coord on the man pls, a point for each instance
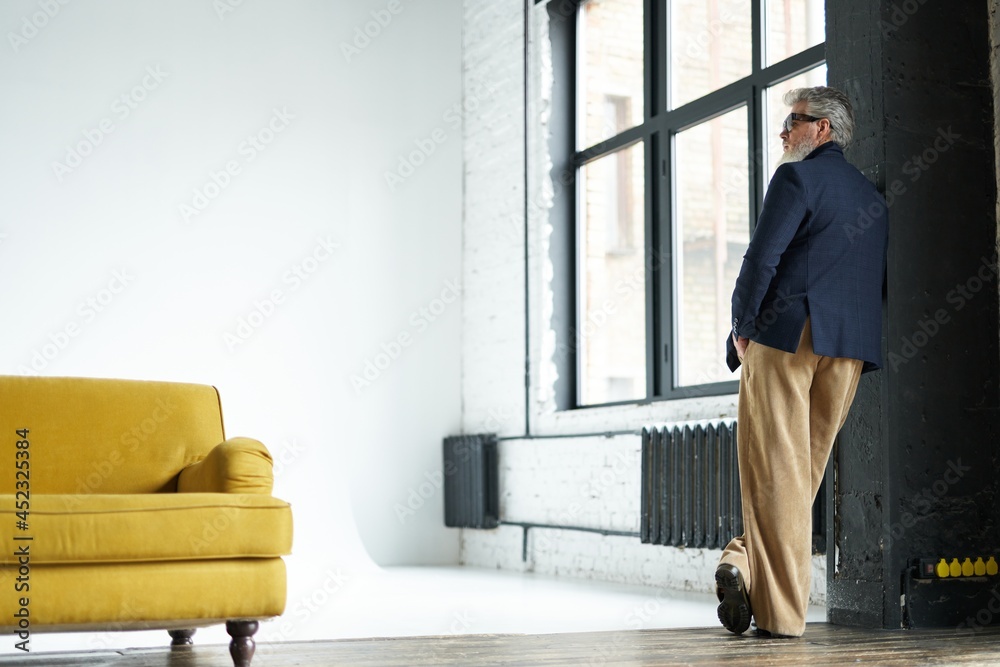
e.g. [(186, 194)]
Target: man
[(807, 321)]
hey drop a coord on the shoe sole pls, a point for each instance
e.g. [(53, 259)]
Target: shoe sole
[(764, 634), (734, 610)]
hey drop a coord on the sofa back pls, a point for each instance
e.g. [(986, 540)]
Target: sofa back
[(88, 435)]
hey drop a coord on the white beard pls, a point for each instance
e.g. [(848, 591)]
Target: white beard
[(797, 153)]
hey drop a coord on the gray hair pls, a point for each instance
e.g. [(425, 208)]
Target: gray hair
[(828, 103)]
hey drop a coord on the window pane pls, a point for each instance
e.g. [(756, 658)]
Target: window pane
[(611, 331), (792, 27), (775, 112), (610, 37), (712, 233), (710, 44)]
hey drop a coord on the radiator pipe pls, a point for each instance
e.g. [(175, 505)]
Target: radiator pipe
[(525, 526), (588, 434)]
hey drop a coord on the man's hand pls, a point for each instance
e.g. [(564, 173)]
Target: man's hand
[(741, 346)]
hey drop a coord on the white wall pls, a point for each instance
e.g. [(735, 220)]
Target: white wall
[(337, 120)]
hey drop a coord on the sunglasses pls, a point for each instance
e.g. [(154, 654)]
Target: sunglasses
[(787, 123)]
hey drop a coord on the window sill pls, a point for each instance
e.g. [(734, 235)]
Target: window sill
[(632, 416)]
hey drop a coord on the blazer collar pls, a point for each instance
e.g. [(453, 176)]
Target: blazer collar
[(828, 147)]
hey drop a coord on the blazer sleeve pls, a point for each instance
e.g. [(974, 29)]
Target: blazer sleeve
[(785, 207), (732, 359)]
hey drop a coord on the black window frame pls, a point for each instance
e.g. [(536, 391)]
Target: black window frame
[(660, 125)]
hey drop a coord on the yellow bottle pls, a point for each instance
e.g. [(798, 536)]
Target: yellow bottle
[(991, 566), (967, 568), (942, 568), (956, 568), (980, 567)]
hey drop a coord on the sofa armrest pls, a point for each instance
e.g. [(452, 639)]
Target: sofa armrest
[(238, 465)]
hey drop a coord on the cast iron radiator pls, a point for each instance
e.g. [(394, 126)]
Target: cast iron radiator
[(691, 487), (471, 489)]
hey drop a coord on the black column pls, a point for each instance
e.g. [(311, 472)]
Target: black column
[(917, 463)]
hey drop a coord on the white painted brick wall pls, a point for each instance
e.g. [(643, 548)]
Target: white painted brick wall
[(493, 346), (585, 481), (588, 482)]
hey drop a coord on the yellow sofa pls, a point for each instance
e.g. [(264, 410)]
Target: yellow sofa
[(123, 506)]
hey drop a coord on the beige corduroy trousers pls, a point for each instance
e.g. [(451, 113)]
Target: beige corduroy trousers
[(791, 407)]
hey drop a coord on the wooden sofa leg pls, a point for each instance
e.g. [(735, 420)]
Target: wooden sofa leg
[(242, 646), (182, 637)]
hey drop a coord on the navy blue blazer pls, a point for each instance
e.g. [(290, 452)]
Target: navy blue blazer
[(818, 251)]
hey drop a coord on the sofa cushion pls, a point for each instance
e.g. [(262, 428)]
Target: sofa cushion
[(120, 528), (92, 435)]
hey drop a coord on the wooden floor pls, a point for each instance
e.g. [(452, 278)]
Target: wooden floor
[(822, 645)]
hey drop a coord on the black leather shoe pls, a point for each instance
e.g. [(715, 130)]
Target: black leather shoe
[(765, 634), (771, 635), (734, 606)]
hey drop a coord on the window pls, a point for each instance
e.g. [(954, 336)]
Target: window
[(710, 235), (612, 284), (622, 205), (673, 109)]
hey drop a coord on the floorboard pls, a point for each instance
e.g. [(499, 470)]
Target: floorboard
[(823, 644)]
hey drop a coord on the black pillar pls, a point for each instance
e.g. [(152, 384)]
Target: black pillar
[(917, 464)]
